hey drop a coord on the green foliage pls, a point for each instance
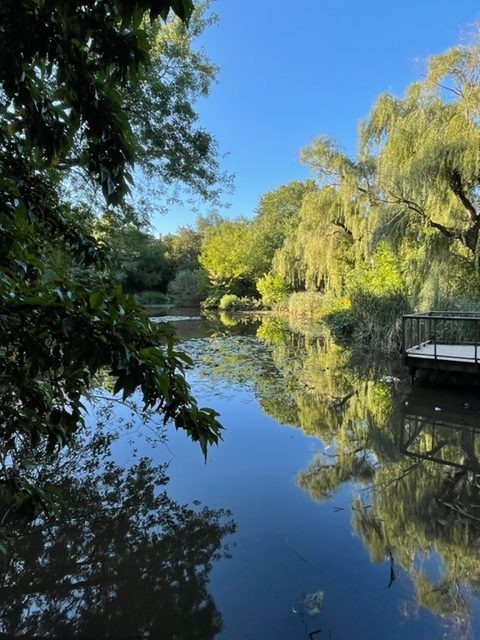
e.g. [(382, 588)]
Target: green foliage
[(151, 298), (273, 289), (227, 252), (372, 319), (183, 248), (231, 302), (378, 300), (425, 147), (170, 146), (59, 73), (188, 287), (380, 276), (228, 302), (306, 303), (318, 252), (276, 215), (139, 261), (238, 252)]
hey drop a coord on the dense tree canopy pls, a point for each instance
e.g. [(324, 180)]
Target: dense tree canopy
[(60, 105)]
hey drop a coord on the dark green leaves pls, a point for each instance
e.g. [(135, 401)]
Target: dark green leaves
[(182, 8), (64, 324)]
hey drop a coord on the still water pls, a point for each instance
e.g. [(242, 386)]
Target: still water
[(341, 504)]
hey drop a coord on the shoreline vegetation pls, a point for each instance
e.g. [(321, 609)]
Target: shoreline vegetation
[(393, 230)]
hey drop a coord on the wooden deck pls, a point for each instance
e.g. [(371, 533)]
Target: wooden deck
[(442, 341), (457, 352)]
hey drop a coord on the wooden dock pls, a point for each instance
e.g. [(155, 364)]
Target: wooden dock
[(442, 341)]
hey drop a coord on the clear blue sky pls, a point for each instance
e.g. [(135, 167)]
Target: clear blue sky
[(290, 72)]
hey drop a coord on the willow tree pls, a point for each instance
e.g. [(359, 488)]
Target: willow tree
[(426, 149), (318, 253)]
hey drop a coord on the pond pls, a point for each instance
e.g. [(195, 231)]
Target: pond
[(341, 504)]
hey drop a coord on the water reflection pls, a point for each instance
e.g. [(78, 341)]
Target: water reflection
[(412, 457), (120, 560), (442, 426), (398, 467), (425, 508)]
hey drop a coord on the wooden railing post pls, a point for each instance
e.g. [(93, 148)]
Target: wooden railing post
[(475, 333)]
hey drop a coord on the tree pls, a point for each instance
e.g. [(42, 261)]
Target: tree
[(59, 73), (425, 150), (276, 215), (320, 250), (228, 255), (140, 261), (170, 146), (184, 248)]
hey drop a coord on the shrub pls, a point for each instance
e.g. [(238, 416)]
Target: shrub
[(273, 289), (341, 324), (152, 297), (187, 287), (305, 303), (380, 319), (231, 302)]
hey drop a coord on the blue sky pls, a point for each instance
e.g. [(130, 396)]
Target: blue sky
[(290, 72)]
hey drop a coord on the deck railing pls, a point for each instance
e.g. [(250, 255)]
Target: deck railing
[(442, 328)]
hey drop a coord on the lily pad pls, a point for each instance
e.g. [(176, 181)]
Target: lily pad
[(312, 604)]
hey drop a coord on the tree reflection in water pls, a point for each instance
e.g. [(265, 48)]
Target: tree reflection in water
[(415, 469), (120, 560), (123, 560)]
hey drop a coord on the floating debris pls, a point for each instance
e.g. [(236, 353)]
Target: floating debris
[(312, 604), (389, 379), (157, 319)]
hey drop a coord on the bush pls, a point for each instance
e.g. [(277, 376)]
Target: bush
[(274, 290), (377, 299), (372, 320), (231, 302), (152, 297), (306, 303), (187, 288), (341, 324)]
